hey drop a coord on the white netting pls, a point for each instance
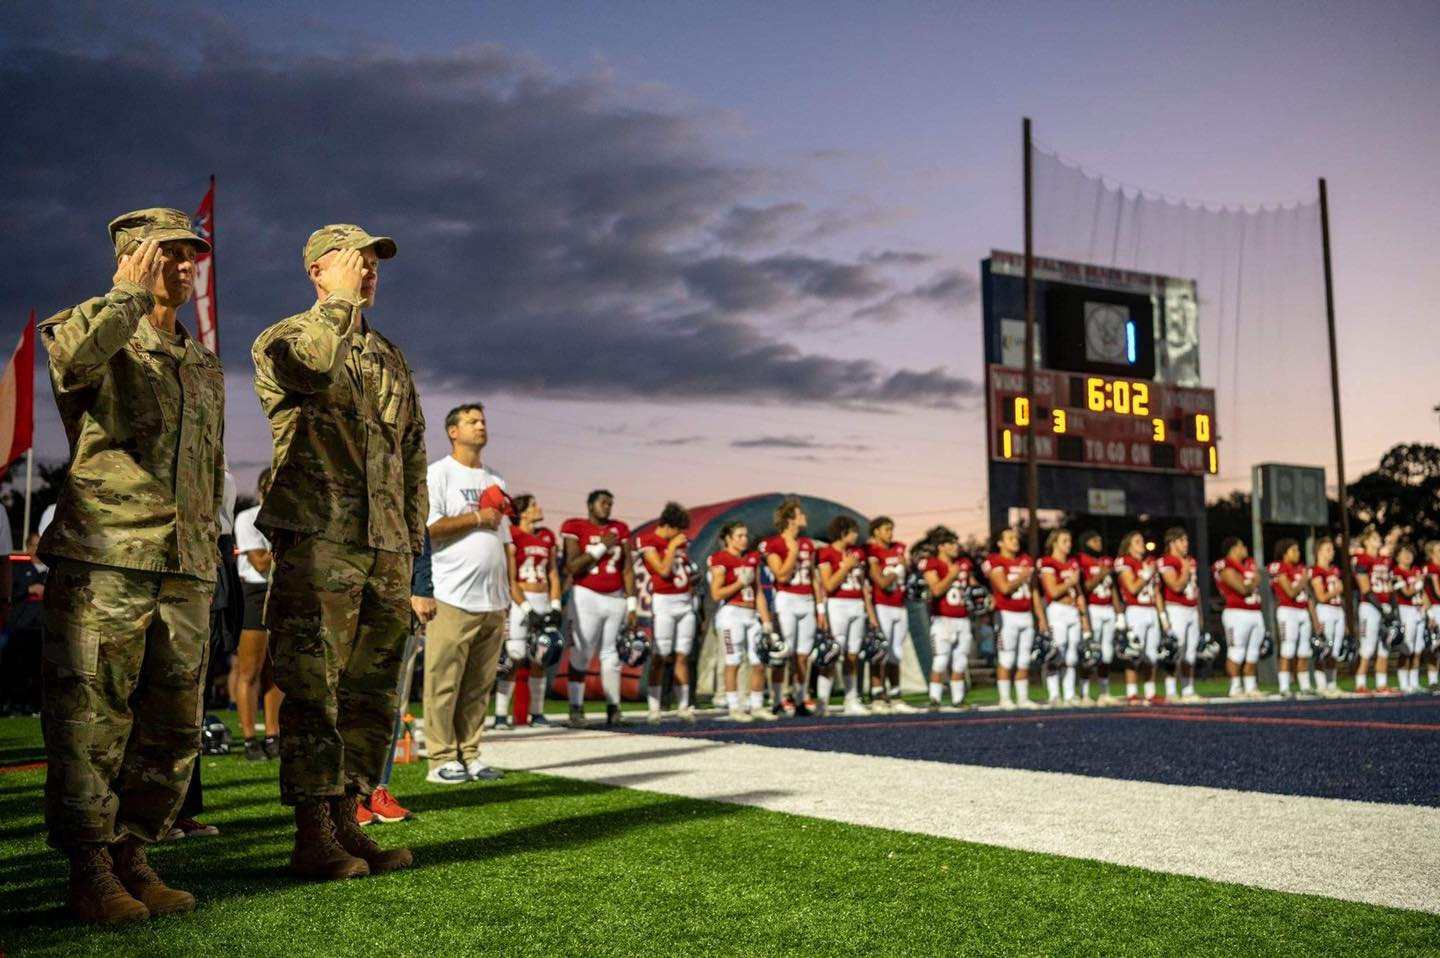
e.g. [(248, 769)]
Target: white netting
[(1260, 280)]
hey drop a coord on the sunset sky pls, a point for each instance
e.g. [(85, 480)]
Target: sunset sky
[(699, 250)]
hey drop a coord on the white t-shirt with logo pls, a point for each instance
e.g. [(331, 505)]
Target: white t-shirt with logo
[(470, 570), (248, 537)]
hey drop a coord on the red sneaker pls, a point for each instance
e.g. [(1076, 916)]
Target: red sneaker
[(1365, 690), (1387, 690), (384, 807), (363, 815), (1157, 700), (1134, 700)]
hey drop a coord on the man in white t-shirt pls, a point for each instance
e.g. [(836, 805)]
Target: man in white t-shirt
[(468, 533), (252, 660)]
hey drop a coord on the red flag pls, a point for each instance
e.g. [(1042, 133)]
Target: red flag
[(17, 398), (206, 316)]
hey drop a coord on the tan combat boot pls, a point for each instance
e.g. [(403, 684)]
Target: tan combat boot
[(317, 854), (140, 880), (95, 894), (356, 842)]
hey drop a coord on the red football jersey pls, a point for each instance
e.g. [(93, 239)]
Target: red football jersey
[(1105, 588), (1377, 569), (1146, 571), (534, 551), (802, 576), (1067, 571), (891, 559), (678, 582), (1330, 575), (1297, 575), (1019, 600), (1190, 594), (950, 603), (1412, 578), (853, 585), (1431, 572), (605, 575), (732, 569), (1233, 599)]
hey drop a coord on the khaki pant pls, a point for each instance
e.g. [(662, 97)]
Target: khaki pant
[(462, 652), (123, 656), (338, 617)]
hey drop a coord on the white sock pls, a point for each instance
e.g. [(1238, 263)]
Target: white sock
[(1190, 685), (576, 690), (1170, 687), (1252, 683), (1052, 685), (504, 688), (1323, 679), (1361, 680), (824, 688), (1284, 682), (798, 692), (849, 682), (1022, 689), (757, 701), (1068, 683), (1150, 689), (1434, 675), (1104, 685), (732, 699), (1304, 679), (1003, 686), (1085, 688), (1132, 690), (652, 697), (937, 689), (957, 691), (1382, 679), (537, 694), (683, 696), (1235, 685), (610, 681)]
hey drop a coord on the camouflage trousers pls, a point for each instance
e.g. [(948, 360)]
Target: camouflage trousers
[(123, 659), (338, 617)]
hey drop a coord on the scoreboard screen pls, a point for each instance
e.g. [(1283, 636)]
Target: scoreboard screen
[(1088, 419)]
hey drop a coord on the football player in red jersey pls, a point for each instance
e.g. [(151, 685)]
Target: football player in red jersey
[(1409, 581), (1139, 577), (886, 562), (740, 616), (1009, 572), (848, 607), (1239, 586), (1062, 592), (1098, 569), (1432, 606), (1179, 577), (799, 603), (1372, 584), (672, 613), (534, 589), (948, 574), (1293, 618), (597, 557), (1329, 613)]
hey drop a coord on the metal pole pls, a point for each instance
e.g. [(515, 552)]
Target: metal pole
[(1032, 467), (29, 482), (1342, 550)]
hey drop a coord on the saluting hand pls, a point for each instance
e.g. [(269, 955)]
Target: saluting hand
[(342, 269), (141, 267)]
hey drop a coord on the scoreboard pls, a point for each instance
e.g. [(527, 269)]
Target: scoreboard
[(1087, 419)]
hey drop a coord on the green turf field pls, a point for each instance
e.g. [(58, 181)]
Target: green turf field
[(540, 865)]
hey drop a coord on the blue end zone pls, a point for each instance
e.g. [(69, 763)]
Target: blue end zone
[(1352, 750)]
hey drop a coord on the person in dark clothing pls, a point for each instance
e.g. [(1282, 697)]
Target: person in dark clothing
[(20, 661)]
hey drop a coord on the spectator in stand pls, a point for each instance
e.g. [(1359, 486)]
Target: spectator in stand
[(252, 655), (20, 662)]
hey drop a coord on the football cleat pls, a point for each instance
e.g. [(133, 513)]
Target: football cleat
[(827, 650), (770, 647), (1208, 648), (873, 647), (545, 645), (632, 647)]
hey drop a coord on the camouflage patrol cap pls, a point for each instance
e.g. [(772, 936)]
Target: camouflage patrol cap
[(345, 236), (158, 223)]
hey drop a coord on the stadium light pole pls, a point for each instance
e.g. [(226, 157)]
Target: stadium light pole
[(1347, 578), (1032, 467)]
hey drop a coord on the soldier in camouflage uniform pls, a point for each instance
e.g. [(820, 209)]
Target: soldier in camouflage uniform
[(345, 517), (131, 551)]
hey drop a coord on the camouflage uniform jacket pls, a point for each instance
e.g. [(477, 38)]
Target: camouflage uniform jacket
[(349, 433), (146, 466)]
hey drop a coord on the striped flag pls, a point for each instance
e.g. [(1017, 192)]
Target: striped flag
[(17, 398), (206, 316)]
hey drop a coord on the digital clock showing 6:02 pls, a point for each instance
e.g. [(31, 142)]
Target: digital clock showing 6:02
[(1102, 421)]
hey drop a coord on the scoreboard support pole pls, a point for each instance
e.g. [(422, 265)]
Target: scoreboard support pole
[(1347, 578), (1032, 465)]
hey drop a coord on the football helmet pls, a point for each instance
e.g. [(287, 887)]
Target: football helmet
[(1127, 647), (545, 645), (1169, 648), (507, 664), (1432, 635), (1267, 645), (1044, 648), (214, 737), (1208, 648), (1319, 645), (771, 647), (535, 621), (1392, 633), (978, 600), (553, 620), (632, 647), (1090, 652), (827, 650), (874, 648), (916, 588), (1346, 651)]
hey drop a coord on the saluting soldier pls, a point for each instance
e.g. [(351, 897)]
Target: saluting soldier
[(345, 517), (131, 552)]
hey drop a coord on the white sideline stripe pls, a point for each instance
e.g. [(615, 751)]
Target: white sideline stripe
[(1357, 851)]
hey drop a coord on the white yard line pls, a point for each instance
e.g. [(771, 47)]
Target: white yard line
[(1356, 851)]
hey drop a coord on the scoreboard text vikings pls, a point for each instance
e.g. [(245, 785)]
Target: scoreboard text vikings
[(1118, 408)]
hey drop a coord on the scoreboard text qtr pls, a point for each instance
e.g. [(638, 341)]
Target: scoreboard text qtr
[(1082, 419)]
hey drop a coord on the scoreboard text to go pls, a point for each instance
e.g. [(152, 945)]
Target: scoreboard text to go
[(1088, 420)]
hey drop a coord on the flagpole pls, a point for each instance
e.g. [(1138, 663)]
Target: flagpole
[(214, 276), (29, 482)]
